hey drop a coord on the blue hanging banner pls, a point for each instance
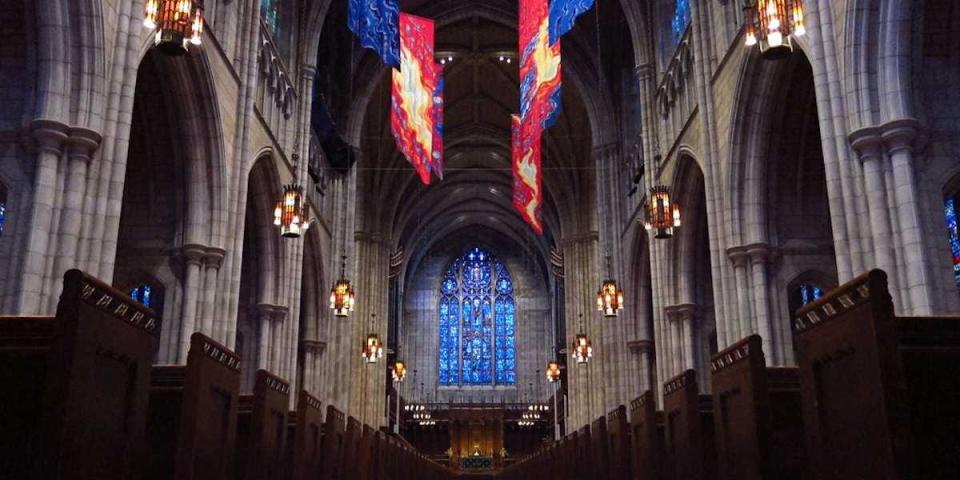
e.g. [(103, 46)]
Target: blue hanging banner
[(377, 24), (562, 15)]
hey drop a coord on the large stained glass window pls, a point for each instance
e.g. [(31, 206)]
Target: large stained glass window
[(477, 315), (950, 211), (681, 19)]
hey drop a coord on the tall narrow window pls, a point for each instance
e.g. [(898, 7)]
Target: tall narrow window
[(3, 207), (477, 328), (681, 19), (950, 212), (809, 293), (142, 294)]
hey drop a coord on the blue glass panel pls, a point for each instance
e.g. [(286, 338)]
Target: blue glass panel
[(809, 293), (142, 294), (681, 19), (449, 338), (270, 13), (950, 212), (506, 340), (3, 208)]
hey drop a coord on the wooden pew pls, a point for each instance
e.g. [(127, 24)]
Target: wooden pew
[(76, 386), (646, 426), (350, 451), (331, 444), (365, 454), (880, 394), (583, 453), (599, 448), (192, 416), (689, 430), (262, 428), (619, 444), (306, 454), (759, 429)]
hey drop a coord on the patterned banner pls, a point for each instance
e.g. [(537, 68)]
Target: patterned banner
[(416, 105), (527, 176), (376, 24), (539, 65), (562, 15)]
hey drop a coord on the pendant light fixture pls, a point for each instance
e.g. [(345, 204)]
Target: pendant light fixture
[(582, 348), (342, 298), (372, 346), (773, 24), (553, 372), (178, 23), (661, 216), (610, 296), (399, 371), (291, 213)]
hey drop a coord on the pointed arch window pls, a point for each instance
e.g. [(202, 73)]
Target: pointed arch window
[(950, 214), (808, 293), (270, 14), (477, 313), (681, 19), (143, 294)]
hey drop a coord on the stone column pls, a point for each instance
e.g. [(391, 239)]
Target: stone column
[(312, 356), (212, 259), (193, 258), (49, 136), (643, 351), (742, 325), (368, 394), (81, 145), (899, 137), (759, 254), (868, 144)]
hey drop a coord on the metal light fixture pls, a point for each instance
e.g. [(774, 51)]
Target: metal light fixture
[(772, 24), (399, 371), (342, 298), (582, 348), (178, 23), (661, 215), (372, 347), (610, 296), (553, 372), (291, 213)]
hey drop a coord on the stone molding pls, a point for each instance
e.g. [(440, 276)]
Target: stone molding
[(683, 311)]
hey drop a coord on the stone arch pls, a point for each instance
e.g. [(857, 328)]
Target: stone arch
[(314, 331)]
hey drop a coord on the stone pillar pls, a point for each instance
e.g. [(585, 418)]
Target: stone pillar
[(759, 254), (742, 325), (193, 258), (212, 259), (49, 136), (899, 137), (82, 143), (683, 317), (367, 388), (312, 356), (642, 351), (868, 144)]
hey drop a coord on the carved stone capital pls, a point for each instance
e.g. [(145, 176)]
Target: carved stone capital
[(315, 347), (759, 252), (867, 142), (268, 312), (901, 134), (82, 143), (193, 253), (681, 312), (738, 255), (49, 135), (213, 257), (641, 346)]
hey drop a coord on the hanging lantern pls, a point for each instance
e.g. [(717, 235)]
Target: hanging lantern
[(553, 372), (582, 349), (178, 22), (291, 213), (372, 348), (342, 298), (609, 298), (772, 24), (399, 371), (661, 215)]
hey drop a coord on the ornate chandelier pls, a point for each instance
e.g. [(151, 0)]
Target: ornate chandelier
[(372, 347), (661, 215), (582, 348), (399, 371), (772, 24), (553, 372), (178, 22), (342, 298), (291, 213)]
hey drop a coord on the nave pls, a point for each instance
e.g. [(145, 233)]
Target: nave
[(392, 239)]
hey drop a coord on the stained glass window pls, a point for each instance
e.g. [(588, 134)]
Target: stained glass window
[(681, 18), (270, 14), (142, 294), (809, 293), (950, 211), (3, 207), (477, 322)]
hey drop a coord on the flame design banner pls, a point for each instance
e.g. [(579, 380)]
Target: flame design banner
[(563, 13), (376, 24), (527, 176), (416, 104)]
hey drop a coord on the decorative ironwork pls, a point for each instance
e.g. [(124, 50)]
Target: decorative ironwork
[(582, 348), (399, 371), (291, 213), (372, 347), (342, 298), (553, 372), (178, 23)]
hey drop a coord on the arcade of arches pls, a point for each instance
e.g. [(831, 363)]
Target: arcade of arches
[(159, 175)]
